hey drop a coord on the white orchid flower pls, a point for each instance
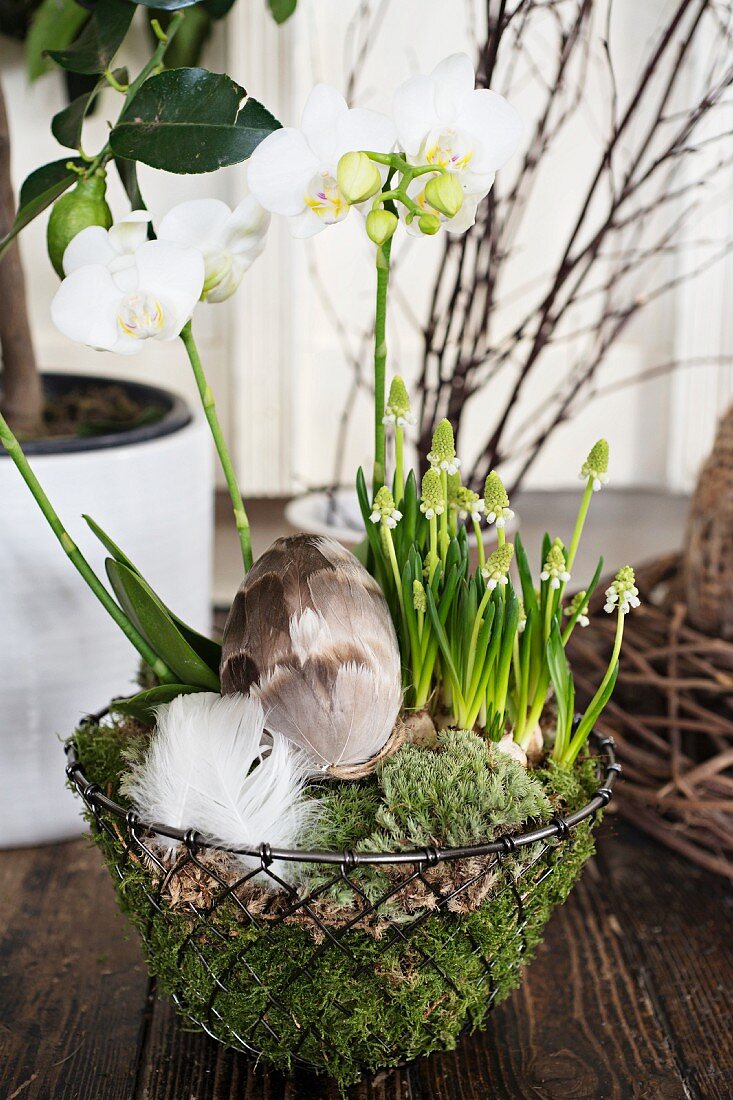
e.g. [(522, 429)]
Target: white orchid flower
[(293, 171), (229, 240), (122, 289), (443, 119)]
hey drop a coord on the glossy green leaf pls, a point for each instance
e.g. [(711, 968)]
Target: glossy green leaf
[(142, 706), (66, 126), (151, 618), (282, 9), (40, 189), (189, 121), (99, 41), (127, 171), (217, 9), (207, 649), (56, 23), (165, 5)]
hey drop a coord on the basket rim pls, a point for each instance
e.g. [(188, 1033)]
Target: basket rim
[(559, 827)]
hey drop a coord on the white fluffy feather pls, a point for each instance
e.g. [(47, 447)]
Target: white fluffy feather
[(210, 767)]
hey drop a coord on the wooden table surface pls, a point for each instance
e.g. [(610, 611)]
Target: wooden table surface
[(630, 996)]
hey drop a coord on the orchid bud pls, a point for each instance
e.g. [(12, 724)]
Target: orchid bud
[(380, 225), (429, 224), (358, 177), (444, 193)]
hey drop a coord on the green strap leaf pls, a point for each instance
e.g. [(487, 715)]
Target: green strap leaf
[(99, 41), (151, 618), (142, 706), (40, 189), (191, 121), (208, 650)]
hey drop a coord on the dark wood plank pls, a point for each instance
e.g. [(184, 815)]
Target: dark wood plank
[(578, 1028), (72, 988), (677, 923)]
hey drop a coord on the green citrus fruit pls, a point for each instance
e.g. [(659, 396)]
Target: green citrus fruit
[(85, 205)]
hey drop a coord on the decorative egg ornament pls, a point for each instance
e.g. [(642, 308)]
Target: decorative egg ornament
[(310, 635)]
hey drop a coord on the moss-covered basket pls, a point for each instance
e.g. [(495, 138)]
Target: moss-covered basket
[(417, 948)]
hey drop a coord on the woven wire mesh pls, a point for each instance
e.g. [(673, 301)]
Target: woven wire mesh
[(511, 872)]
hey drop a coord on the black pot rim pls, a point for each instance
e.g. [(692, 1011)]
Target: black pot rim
[(176, 416)]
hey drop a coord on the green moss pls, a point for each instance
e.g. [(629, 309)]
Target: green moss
[(369, 999)]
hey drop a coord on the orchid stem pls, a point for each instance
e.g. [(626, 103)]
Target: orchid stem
[(207, 400), (380, 366), (15, 451)]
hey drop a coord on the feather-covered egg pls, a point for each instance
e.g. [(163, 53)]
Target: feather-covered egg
[(310, 635)]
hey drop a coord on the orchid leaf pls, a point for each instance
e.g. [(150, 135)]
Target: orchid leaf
[(151, 618), (142, 706), (207, 649)]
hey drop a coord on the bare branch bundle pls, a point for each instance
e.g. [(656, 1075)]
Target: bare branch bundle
[(672, 716), (635, 211)]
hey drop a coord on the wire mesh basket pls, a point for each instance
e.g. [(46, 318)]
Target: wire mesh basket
[(420, 945)]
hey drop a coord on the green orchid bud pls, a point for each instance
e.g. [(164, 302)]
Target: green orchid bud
[(442, 455), (358, 177), (432, 494), (595, 466), (419, 599), (444, 193), (429, 224), (380, 225), (496, 570)]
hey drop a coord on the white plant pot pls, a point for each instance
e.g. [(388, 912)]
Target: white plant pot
[(61, 656), (338, 515)]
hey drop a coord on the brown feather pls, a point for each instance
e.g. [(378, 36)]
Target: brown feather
[(310, 633)]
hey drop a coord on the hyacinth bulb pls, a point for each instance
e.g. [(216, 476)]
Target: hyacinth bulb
[(311, 636)]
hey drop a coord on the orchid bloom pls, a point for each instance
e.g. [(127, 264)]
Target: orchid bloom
[(293, 171), (229, 240), (443, 119), (122, 289)]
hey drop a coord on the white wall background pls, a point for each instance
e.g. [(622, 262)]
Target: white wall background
[(278, 353)]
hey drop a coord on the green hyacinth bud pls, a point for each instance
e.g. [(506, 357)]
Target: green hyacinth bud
[(442, 454), (596, 465), (496, 570), (358, 177), (432, 494), (623, 593), (496, 501), (554, 569), (380, 225), (444, 193), (398, 409), (419, 600), (384, 508)]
